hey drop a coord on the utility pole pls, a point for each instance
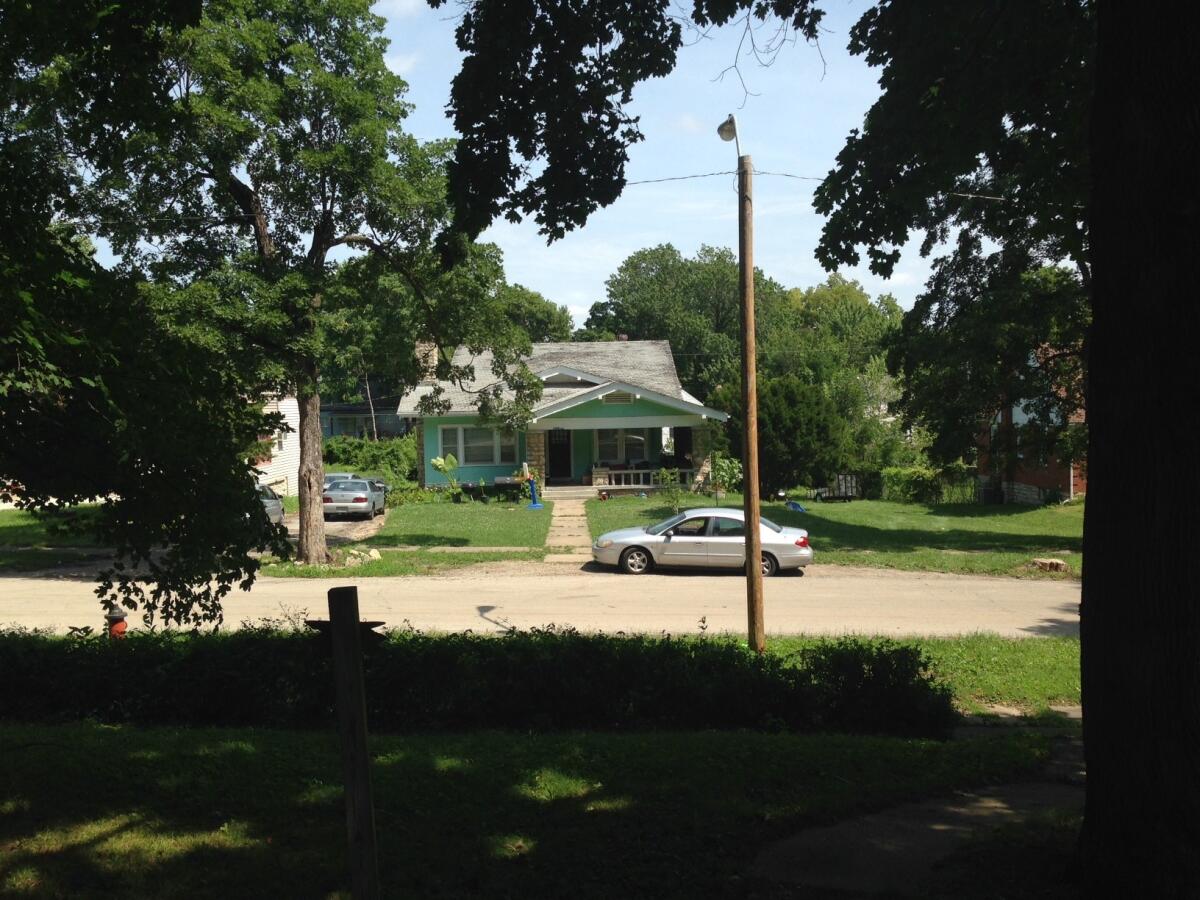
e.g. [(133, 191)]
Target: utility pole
[(756, 630), (754, 583)]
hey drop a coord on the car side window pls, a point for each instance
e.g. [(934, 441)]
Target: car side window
[(728, 528), (692, 527)]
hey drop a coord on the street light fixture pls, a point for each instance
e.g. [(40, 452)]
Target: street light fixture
[(728, 131)]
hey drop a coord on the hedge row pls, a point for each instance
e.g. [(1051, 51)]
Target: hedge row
[(544, 679)]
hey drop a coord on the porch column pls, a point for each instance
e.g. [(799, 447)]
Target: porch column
[(535, 453)]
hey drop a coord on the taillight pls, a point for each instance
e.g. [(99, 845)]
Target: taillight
[(359, 500), (326, 499), (802, 542)]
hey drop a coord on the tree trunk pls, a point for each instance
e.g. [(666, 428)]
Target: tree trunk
[(1141, 584), (311, 540)]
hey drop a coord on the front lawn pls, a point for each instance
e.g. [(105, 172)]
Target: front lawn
[(19, 528), (398, 562), (957, 538), (1030, 674), (29, 542), (88, 810), (494, 524)]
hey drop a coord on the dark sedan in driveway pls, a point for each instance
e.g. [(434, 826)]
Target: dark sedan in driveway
[(702, 537)]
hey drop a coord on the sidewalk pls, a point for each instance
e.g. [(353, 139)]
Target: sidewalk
[(569, 529)]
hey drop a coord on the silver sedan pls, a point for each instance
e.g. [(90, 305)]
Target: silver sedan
[(353, 498), (702, 537)]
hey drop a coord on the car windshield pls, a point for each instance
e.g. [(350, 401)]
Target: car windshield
[(348, 486), (664, 525), (330, 479), (770, 524)]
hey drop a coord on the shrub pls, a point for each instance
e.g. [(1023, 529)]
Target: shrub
[(858, 683), (668, 488), (396, 458), (542, 679), (923, 484), (726, 473)]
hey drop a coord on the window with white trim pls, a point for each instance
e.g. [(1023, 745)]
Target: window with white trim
[(474, 446), (621, 444)]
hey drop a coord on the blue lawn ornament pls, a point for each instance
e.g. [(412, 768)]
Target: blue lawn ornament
[(534, 503), (794, 506)]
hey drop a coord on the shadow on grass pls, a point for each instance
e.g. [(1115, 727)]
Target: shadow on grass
[(258, 813), (414, 539), (828, 534)]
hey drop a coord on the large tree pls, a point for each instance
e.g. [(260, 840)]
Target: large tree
[(99, 399), (965, 355), (286, 143), (985, 126), (658, 294)]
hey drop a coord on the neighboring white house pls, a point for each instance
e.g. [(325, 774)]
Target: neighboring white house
[(281, 470)]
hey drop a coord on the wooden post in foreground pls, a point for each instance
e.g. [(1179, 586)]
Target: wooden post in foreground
[(756, 632), (352, 729)]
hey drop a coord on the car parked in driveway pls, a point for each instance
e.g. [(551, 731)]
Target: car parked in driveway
[(272, 504), (331, 477), (357, 497), (703, 538)]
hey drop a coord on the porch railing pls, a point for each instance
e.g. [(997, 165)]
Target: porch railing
[(635, 477)]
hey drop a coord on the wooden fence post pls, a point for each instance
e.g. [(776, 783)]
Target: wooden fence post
[(352, 729)]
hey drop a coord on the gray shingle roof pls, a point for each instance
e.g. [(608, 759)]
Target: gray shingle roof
[(643, 364)]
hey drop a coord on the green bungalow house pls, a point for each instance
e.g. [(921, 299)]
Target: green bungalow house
[(611, 415)]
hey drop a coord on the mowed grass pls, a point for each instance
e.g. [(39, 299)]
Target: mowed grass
[(89, 810), (30, 542), (399, 562), (19, 528), (957, 538), (440, 524), (1030, 674)]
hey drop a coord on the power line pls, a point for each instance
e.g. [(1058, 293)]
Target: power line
[(679, 178)]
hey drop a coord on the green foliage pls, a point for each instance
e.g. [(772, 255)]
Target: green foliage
[(726, 472), (545, 679), (860, 681), (979, 340), (539, 318), (668, 489), (802, 436), (924, 484), (447, 465), (657, 294), (396, 458)]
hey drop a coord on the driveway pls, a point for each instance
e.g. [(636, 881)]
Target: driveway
[(826, 600)]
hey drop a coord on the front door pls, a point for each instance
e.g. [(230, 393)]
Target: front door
[(558, 455)]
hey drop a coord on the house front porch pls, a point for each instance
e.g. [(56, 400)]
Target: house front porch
[(620, 458)]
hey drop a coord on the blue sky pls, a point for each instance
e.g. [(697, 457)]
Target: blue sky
[(796, 122)]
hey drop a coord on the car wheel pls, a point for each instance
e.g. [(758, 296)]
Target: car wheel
[(769, 566), (635, 561)]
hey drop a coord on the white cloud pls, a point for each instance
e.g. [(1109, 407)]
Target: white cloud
[(398, 9), (402, 63)]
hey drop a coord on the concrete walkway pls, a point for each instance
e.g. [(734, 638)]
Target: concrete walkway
[(896, 852), (569, 529)]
